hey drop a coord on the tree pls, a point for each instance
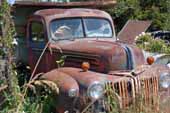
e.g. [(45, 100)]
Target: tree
[(158, 11)]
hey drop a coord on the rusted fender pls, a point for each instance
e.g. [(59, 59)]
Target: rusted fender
[(84, 78), (89, 77), (65, 82)]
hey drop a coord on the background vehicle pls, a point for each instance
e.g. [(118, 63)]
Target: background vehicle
[(164, 35), (94, 57)]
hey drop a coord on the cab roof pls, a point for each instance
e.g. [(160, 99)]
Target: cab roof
[(51, 14)]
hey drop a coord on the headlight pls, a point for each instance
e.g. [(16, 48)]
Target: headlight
[(95, 90), (72, 93), (164, 80)]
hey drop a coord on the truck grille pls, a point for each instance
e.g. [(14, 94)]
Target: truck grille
[(76, 60), (128, 92)]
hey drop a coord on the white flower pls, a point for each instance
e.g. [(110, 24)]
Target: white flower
[(143, 33), (136, 38), (140, 35), (14, 42)]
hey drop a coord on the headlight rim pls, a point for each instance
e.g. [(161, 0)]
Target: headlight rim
[(162, 79), (92, 85), (73, 92)]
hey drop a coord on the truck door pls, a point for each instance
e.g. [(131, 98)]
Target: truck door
[(37, 39)]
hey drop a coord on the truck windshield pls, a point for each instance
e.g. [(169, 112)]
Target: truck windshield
[(80, 28)]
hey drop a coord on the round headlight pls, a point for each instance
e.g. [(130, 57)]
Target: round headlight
[(72, 92), (95, 90), (164, 80)]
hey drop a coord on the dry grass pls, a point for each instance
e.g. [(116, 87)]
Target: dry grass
[(139, 104)]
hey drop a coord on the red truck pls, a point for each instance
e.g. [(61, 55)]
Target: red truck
[(93, 55)]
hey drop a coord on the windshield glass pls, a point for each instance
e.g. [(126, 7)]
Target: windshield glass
[(66, 28), (97, 28), (80, 28)]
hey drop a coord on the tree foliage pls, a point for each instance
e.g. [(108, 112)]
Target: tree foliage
[(35, 96), (158, 11)]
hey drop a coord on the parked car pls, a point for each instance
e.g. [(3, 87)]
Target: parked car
[(164, 35), (93, 58)]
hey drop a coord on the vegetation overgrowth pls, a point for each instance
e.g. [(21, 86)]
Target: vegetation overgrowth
[(148, 43), (34, 96)]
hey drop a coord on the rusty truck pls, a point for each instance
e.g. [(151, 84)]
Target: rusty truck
[(94, 56)]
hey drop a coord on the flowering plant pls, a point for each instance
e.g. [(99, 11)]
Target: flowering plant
[(148, 43)]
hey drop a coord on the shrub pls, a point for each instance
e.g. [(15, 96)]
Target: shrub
[(148, 43)]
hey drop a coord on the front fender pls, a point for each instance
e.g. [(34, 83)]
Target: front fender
[(163, 59), (65, 82), (84, 78)]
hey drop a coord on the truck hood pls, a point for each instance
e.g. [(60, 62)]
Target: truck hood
[(103, 55), (90, 46)]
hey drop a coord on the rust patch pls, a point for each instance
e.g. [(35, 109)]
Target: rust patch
[(63, 80)]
